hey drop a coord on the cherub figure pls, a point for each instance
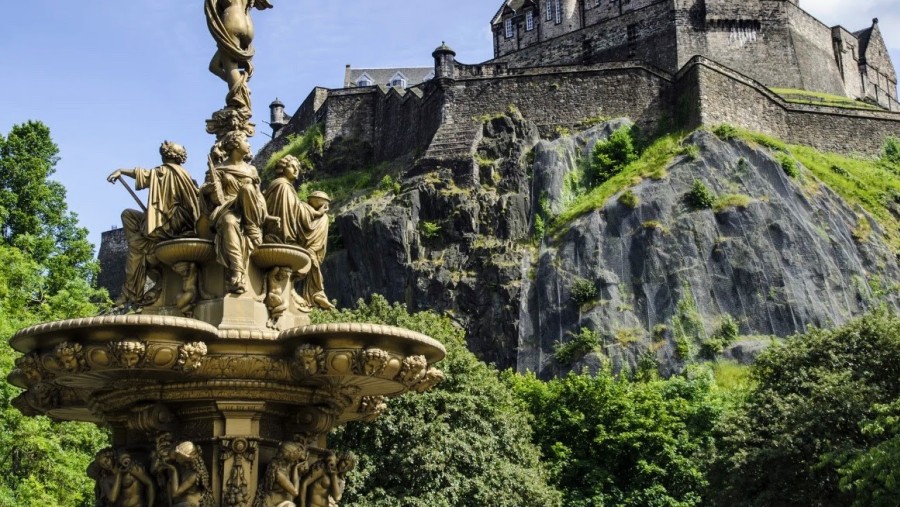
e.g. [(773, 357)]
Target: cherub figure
[(231, 26)]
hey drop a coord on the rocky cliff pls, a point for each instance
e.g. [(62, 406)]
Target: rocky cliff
[(644, 276)]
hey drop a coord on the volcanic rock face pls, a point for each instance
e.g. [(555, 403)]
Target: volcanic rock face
[(666, 275)]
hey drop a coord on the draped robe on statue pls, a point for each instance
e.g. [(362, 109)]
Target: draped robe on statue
[(172, 211), (301, 225)]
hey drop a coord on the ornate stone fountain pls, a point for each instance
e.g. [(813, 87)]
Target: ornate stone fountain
[(216, 388)]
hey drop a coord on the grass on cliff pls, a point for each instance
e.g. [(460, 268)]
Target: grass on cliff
[(873, 184), (797, 96), (307, 147), (651, 163)]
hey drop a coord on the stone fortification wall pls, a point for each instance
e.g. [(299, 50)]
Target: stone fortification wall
[(814, 48), (112, 257), (406, 123), (565, 96), (726, 96)]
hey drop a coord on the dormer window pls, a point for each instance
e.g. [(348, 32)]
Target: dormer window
[(509, 27), (529, 21), (398, 81), (364, 80), (428, 77)]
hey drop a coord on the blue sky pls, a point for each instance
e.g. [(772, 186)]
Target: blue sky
[(113, 79)]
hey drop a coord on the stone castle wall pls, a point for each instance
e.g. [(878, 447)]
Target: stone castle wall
[(726, 96)]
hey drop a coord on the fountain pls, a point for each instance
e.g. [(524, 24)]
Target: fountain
[(215, 387)]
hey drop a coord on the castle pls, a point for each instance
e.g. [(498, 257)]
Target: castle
[(765, 65), (775, 42)]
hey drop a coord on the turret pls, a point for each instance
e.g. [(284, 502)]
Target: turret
[(444, 63), (277, 118)]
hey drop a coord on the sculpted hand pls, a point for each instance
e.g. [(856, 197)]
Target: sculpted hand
[(114, 176)]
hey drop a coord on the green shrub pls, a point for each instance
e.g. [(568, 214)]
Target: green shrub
[(789, 165), (728, 201), (430, 230), (540, 228), (725, 132), (891, 152), (584, 291), (576, 348), (628, 199), (700, 196), (692, 151), (308, 147), (724, 336), (610, 156), (389, 184)]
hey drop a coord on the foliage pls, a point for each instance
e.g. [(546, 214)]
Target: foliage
[(466, 442), (872, 476), (542, 217), (687, 324), (308, 147), (430, 230), (891, 153), (580, 345), (584, 291), (33, 212), (809, 419), (340, 188), (652, 161), (611, 155), (628, 199), (729, 201), (610, 441), (700, 197), (724, 336), (725, 132), (788, 165)]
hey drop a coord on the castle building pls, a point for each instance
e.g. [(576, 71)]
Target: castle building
[(774, 42)]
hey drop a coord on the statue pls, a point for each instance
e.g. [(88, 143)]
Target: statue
[(120, 481), (172, 211), (346, 463), (303, 224), (321, 483), (230, 24), (235, 206), (189, 484), (282, 479)]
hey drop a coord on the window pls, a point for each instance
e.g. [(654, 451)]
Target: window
[(529, 21), (632, 33), (509, 28), (548, 6), (398, 81), (363, 82), (558, 11)]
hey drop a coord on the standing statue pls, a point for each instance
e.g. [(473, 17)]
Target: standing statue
[(172, 211), (189, 484), (303, 224), (121, 482), (231, 26), (346, 463), (282, 479), (235, 206)]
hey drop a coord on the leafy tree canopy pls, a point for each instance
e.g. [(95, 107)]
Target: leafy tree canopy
[(33, 212), (611, 441), (466, 442), (821, 408)]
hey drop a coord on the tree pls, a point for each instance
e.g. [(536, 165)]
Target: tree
[(466, 442), (41, 462), (611, 155), (812, 417), (34, 216), (611, 441)]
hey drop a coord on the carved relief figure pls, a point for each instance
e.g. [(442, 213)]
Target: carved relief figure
[(235, 206), (161, 457), (275, 301), (346, 463), (303, 224), (172, 212), (121, 482), (321, 483), (189, 484), (282, 481), (230, 24)]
